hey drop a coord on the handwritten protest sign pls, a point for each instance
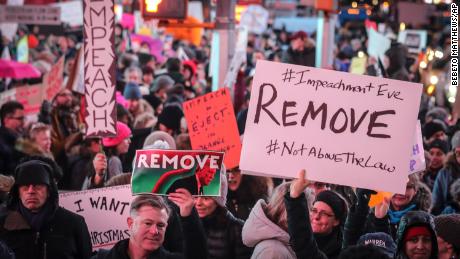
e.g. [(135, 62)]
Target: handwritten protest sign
[(99, 59), (52, 81), (163, 171), (417, 162), (30, 96), (212, 125), (105, 211), (343, 128)]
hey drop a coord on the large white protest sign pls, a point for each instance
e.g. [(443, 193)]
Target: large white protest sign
[(71, 12), (415, 40), (105, 211), (378, 44), (343, 128), (31, 14), (99, 59), (417, 162)]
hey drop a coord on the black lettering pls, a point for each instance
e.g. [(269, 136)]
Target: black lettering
[(354, 126), (374, 124), (311, 109), (264, 106), (94, 203), (285, 115), (334, 118), (78, 204)]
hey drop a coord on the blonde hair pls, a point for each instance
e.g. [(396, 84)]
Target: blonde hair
[(36, 128), (276, 209)]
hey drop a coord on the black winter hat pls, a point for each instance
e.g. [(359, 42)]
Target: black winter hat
[(441, 144), (33, 172), (336, 202), (171, 117), (448, 228), (432, 127)]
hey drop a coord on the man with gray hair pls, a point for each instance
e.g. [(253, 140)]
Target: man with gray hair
[(147, 224)]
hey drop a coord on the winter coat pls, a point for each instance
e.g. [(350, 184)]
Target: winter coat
[(251, 189), (305, 57), (306, 244), (415, 218), (194, 243), (269, 239), (9, 155), (446, 176), (421, 201), (120, 251), (223, 234), (64, 234), (30, 148)]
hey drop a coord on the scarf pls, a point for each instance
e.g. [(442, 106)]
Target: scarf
[(331, 243), (395, 216), (36, 219)]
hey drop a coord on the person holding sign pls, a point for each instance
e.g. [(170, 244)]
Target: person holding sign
[(322, 238)]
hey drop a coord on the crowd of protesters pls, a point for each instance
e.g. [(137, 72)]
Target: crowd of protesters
[(254, 217)]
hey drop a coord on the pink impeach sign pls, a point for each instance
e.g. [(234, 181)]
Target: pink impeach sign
[(342, 128)]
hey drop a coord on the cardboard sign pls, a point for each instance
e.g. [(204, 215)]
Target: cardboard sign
[(99, 59), (53, 80), (9, 28), (164, 171), (31, 97), (343, 128), (105, 211), (31, 14), (417, 161), (212, 125), (71, 12), (415, 40), (378, 44)]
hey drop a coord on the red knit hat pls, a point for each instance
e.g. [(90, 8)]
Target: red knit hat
[(417, 231), (123, 132)]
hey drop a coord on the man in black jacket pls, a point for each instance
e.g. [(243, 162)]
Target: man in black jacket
[(12, 125), (34, 225)]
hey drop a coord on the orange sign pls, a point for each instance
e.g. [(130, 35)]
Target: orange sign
[(376, 199), (212, 125), (52, 81)]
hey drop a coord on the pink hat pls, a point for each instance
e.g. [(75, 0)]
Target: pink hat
[(123, 132)]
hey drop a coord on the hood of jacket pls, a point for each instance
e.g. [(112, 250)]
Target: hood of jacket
[(30, 148), (258, 227), (411, 219)]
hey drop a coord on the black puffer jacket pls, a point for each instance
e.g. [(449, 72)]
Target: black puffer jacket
[(411, 219), (223, 233), (64, 234)]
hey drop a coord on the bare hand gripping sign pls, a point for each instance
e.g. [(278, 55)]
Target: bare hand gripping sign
[(99, 67), (343, 128)]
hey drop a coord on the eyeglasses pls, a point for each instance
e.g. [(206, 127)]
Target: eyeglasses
[(21, 118), (322, 213)]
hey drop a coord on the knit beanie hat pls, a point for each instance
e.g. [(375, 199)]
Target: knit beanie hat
[(123, 132), (33, 172), (336, 202), (171, 116), (455, 142), (162, 82), (432, 127), (132, 92), (448, 228), (222, 199), (160, 135), (441, 144)]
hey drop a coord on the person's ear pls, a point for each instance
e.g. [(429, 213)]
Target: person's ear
[(130, 222)]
